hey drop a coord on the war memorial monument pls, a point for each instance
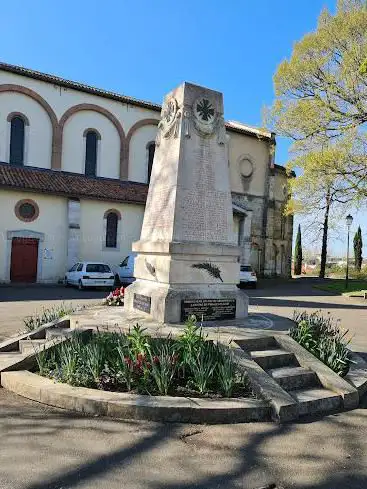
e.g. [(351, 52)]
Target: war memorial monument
[(187, 259)]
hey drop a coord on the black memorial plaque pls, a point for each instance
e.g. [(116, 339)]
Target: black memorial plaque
[(142, 302), (208, 309)]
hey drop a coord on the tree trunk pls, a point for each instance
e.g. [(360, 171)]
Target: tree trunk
[(325, 229)]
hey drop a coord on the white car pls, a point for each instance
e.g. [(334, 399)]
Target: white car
[(248, 276), (126, 269), (90, 274)]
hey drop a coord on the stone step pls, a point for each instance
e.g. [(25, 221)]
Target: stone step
[(316, 400), (276, 358), (57, 332), (30, 346), (260, 343), (291, 378)]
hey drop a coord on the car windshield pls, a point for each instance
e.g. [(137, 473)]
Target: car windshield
[(246, 268), (98, 267)]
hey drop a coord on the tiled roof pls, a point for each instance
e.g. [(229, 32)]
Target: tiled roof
[(19, 70), (71, 184)]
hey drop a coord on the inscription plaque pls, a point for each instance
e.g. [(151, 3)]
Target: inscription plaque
[(208, 309), (142, 302)]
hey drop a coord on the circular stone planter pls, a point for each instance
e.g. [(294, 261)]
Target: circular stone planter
[(132, 406)]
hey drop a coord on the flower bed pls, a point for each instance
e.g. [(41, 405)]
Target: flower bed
[(138, 363), (323, 337)]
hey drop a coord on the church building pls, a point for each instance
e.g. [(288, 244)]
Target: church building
[(75, 164)]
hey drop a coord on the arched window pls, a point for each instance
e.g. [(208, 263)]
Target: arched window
[(151, 151), (17, 134), (111, 230), (91, 142)]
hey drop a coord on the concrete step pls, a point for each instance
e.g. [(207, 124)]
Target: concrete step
[(316, 400), (57, 332), (276, 358), (291, 378), (30, 346), (260, 343)]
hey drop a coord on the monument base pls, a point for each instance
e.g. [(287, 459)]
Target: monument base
[(174, 303)]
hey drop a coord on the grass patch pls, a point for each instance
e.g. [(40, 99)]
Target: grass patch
[(136, 362), (355, 287)]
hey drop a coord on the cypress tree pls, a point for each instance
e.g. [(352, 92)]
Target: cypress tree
[(298, 253), (358, 245)]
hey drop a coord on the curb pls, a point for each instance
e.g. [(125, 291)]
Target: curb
[(132, 406)]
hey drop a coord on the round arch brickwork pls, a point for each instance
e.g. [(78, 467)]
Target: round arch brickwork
[(91, 129), (56, 147), (18, 114), (134, 128), (114, 211), (101, 110)]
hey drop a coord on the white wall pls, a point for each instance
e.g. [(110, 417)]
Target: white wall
[(61, 99), (93, 233), (73, 150), (52, 222), (38, 135), (138, 157)]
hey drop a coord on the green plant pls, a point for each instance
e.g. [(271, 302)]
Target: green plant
[(163, 368), (323, 338), (138, 340), (227, 371), (202, 367), (47, 315)]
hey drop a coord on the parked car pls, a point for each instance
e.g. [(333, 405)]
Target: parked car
[(90, 274), (126, 269), (248, 276)]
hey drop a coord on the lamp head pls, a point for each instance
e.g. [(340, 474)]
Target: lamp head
[(349, 220)]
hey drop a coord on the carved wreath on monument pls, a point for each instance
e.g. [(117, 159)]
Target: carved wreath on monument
[(202, 116)]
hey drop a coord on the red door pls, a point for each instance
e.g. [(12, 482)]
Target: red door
[(24, 257)]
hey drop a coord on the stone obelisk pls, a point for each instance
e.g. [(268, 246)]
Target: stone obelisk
[(187, 260)]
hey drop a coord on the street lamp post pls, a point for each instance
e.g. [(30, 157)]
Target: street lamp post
[(349, 221)]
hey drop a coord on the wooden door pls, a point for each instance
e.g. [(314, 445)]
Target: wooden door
[(24, 258)]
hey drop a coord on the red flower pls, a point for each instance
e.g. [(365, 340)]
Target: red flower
[(122, 291), (155, 360), (128, 361), (140, 357)]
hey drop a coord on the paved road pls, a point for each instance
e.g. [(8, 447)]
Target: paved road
[(18, 302), (43, 448)]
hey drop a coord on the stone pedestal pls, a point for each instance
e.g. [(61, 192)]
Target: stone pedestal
[(187, 261)]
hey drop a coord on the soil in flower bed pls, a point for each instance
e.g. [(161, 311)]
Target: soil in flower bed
[(188, 366)]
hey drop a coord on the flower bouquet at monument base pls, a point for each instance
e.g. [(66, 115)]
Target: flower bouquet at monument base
[(115, 298)]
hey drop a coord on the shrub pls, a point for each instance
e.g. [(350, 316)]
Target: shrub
[(323, 338), (137, 362)]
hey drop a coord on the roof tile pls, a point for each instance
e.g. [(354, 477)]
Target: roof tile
[(71, 184)]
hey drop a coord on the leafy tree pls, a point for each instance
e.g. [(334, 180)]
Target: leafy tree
[(358, 245), (298, 253), (321, 96)]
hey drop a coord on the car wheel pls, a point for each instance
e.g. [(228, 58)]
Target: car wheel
[(80, 285), (117, 281), (254, 285)]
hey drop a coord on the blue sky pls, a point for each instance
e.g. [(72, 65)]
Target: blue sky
[(144, 48)]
